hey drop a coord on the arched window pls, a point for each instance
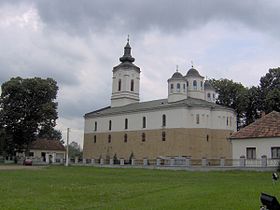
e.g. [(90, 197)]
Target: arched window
[(213, 95), (110, 125), (201, 84), (197, 118), (143, 137), (178, 86), (187, 83), (120, 85), (94, 139), (184, 87), (208, 95), (194, 84), (95, 126), (144, 122), (132, 85), (126, 123), (125, 138), (227, 121), (207, 137), (109, 138), (163, 136), (163, 120)]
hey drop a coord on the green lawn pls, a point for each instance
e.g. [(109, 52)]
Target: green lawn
[(104, 188)]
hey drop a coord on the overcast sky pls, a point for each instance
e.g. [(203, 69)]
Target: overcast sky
[(78, 42)]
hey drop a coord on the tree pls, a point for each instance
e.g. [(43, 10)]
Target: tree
[(28, 106), (50, 133), (74, 150), (253, 103), (269, 91), (233, 95)]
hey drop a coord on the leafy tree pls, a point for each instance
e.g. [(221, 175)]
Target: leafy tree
[(28, 106), (269, 91), (74, 150), (233, 95), (252, 109), (50, 133)]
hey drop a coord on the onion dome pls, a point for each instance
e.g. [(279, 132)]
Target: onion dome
[(193, 73), (177, 75), (127, 54)]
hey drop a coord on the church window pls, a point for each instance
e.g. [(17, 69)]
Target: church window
[(178, 86), (227, 121), (110, 125), (171, 88), (144, 122), (109, 138), (143, 137), (213, 95), (163, 120), (195, 84), (184, 87), (125, 138), (120, 85), (95, 126), (132, 85), (94, 139), (209, 95), (197, 118), (207, 137), (126, 123), (201, 84), (163, 136), (187, 83)]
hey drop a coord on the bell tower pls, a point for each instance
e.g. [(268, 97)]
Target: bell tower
[(126, 80)]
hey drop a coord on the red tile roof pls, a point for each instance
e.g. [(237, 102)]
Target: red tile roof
[(46, 144), (267, 126)]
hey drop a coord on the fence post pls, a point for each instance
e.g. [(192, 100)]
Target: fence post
[(101, 161), (222, 162), (122, 162), (132, 161), (76, 160), (172, 162), (188, 161), (204, 162), (158, 162), (145, 161), (92, 161), (264, 161), (84, 161), (111, 161), (242, 161)]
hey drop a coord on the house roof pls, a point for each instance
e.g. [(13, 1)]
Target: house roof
[(267, 126), (47, 144), (154, 105)]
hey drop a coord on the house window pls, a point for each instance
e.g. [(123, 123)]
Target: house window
[(31, 154), (275, 152), (110, 125), (132, 85), (126, 123), (94, 139), (163, 120), (144, 122), (178, 87), (109, 138), (120, 85), (194, 84), (125, 138), (163, 136), (143, 137), (95, 126), (197, 118), (251, 152)]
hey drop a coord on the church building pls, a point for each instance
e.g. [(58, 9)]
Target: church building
[(188, 123)]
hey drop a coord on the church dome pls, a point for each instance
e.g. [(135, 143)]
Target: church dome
[(177, 75), (193, 73)]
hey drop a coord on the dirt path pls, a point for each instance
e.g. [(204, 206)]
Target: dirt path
[(18, 167)]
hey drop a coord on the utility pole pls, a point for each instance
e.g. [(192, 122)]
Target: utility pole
[(67, 148)]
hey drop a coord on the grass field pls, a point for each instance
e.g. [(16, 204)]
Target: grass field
[(107, 188)]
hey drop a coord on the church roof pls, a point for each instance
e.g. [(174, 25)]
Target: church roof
[(177, 75), (208, 86), (193, 73), (154, 105), (267, 126)]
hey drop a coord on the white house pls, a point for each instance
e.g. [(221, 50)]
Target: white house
[(260, 138)]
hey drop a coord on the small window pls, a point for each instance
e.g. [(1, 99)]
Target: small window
[(194, 83), (163, 136), (126, 123), (171, 86), (275, 152), (187, 84), (132, 85), (207, 137), (227, 121), (197, 118), (213, 95), (31, 154), (109, 138), (125, 138), (120, 85), (163, 120), (209, 95), (94, 139), (201, 84), (144, 122), (143, 137), (251, 152), (110, 125), (95, 126), (184, 87)]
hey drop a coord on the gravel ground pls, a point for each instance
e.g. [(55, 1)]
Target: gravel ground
[(17, 167)]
